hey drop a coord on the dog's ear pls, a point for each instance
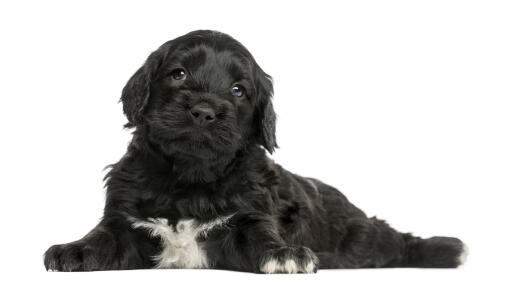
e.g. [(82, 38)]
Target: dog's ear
[(266, 117), (136, 93)]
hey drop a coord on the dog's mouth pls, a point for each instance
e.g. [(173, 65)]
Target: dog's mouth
[(195, 134), (178, 133), (201, 141)]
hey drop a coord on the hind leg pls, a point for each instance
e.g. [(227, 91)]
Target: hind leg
[(435, 252), (371, 243)]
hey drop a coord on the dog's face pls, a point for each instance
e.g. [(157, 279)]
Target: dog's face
[(202, 94)]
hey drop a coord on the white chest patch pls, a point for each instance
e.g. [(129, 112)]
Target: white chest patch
[(181, 249)]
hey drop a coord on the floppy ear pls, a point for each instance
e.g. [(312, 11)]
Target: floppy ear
[(266, 116), (136, 93)]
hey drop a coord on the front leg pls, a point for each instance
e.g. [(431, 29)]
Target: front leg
[(254, 244), (106, 247)]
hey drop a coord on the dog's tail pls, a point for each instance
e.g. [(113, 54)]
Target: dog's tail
[(435, 252)]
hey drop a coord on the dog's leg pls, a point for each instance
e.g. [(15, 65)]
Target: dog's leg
[(107, 247), (435, 252), (254, 244), (373, 243)]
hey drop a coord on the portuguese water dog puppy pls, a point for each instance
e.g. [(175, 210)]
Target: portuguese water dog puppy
[(195, 188)]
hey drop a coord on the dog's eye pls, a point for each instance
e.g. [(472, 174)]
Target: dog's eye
[(178, 74), (237, 90)]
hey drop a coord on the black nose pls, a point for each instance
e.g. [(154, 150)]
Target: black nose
[(202, 114)]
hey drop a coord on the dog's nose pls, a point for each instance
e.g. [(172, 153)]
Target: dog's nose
[(202, 114)]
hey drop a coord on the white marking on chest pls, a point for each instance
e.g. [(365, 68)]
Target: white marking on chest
[(181, 249)]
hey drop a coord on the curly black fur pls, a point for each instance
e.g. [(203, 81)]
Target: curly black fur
[(180, 168)]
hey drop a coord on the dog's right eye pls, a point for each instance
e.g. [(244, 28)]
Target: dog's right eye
[(178, 74)]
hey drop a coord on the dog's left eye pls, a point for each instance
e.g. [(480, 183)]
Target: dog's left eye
[(178, 74), (237, 90)]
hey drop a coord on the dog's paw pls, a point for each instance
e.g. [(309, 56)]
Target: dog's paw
[(74, 256), (462, 258), (289, 260)]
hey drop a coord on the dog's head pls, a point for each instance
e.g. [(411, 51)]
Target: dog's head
[(202, 94)]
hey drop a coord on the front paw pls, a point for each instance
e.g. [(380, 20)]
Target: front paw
[(74, 256), (289, 260)]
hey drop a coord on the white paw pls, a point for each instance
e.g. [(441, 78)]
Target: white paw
[(463, 255), (289, 260)]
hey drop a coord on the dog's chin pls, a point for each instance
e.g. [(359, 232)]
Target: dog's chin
[(197, 145), (183, 140)]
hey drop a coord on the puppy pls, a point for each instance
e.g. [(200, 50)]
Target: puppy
[(195, 188)]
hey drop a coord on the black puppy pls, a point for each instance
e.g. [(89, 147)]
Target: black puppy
[(196, 189)]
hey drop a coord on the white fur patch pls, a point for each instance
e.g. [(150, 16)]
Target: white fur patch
[(314, 186), (269, 267), (312, 183), (463, 255), (180, 246), (289, 266)]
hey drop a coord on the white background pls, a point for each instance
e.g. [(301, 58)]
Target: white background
[(402, 105)]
